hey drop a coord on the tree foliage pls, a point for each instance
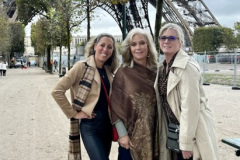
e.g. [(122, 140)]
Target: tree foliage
[(229, 40), (207, 39), (63, 16), (114, 1), (27, 9), (39, 36), (17, 35), (237, 28), (5, 38)]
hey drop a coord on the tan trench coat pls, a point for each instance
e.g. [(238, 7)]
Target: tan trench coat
[(187, 100), (71, 80)]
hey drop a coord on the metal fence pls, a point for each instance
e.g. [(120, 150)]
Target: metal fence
[(226, 63)]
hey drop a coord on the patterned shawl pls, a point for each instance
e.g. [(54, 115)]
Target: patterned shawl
[(133, 101), (74, 151)]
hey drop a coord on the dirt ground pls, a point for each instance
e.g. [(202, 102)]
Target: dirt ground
[(34, 128)]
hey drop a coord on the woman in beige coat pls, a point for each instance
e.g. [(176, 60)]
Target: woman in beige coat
[(182, 101), (88, 76)]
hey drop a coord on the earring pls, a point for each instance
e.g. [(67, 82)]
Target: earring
[(148, 55)]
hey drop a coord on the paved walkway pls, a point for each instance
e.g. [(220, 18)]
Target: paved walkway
[(32, 126)]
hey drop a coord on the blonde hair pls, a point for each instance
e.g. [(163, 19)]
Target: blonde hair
[(126, 52), (112, 62)]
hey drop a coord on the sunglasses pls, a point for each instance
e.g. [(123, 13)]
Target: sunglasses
[(170, 38)]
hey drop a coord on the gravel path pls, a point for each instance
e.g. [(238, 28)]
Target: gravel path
[(34, 128)]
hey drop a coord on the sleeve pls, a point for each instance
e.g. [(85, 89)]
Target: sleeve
[(121, 129), (190, 106), (65, 83)]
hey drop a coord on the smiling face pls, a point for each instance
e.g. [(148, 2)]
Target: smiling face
[(139, 49), (103, 50), (168, 44)]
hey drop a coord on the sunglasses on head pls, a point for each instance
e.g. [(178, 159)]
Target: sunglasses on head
[(170, 38)]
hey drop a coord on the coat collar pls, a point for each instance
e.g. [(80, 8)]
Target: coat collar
[(180, 62), (91, 62)]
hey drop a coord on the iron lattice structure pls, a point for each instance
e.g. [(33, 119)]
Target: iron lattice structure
[(189, 14), (11, 9)]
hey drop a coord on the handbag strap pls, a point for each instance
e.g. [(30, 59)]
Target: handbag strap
[(167, 115), (105, 90)]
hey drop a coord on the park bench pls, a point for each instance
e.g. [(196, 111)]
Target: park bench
[(234, 142)]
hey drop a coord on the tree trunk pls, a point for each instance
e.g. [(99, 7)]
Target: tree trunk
[(88, 20), (60, 60), (68, 45), (49, 67)]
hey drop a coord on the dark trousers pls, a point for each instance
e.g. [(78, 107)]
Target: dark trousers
[(4, 72), (97, 138), (124, 154)]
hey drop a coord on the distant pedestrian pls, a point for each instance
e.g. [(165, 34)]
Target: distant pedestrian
[(4, 68), (55, 65), (28, 63), (1, 71), (44, 64), (24, 65)]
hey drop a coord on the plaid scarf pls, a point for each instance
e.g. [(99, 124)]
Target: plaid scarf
[(74, 152)]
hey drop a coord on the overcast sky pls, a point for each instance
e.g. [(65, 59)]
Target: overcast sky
[(227, 12)]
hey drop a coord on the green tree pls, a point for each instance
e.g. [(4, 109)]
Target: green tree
[(73, 15), (5, 37), (207, 39), (237, 29), (27, 9), (17, 35), (237, 26), (61, 32), (229, 40), (39, 36), (69, 11)]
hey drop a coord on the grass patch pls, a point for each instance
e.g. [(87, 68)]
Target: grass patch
[(221, 79)]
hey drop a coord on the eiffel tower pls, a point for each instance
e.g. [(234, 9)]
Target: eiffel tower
[(190, 14)]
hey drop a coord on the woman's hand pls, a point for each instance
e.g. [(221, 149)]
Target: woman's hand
[(187, 154), (82, 115), (125, 142)]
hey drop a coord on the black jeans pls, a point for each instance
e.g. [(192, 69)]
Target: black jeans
[(97, 138), (124, 154)]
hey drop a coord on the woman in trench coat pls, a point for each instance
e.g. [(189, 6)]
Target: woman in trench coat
[(182, 101)]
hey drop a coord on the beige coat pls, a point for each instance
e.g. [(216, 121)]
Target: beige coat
[(188, 102), (71, 80)]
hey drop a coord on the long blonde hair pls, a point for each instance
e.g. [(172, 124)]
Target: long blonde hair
[(126, 52)]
